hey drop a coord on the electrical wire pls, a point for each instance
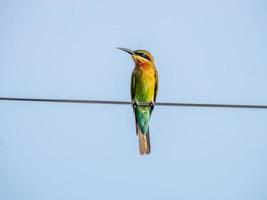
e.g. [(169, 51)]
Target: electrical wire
[(175, 104)]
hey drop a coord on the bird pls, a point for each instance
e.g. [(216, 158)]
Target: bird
[(144, 89)]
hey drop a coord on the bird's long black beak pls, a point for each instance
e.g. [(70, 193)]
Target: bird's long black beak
[(126, 50)]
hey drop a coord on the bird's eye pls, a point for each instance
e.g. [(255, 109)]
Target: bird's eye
[(144, 56)]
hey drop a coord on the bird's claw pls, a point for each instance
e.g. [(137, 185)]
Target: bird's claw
[(152, 104), (135, 104)]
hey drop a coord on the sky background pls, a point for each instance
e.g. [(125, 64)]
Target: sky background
[(205, 52)]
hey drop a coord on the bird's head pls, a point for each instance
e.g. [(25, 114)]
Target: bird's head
[(140, 57)]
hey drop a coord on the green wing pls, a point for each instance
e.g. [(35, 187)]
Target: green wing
[(133, 85), (156, 85)]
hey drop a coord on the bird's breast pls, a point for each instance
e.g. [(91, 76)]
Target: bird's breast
[(145, 85)]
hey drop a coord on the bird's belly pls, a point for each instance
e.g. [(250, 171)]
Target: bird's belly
[(145, 87)]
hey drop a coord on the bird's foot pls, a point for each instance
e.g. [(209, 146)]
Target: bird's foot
[(152, 104), (135, 104)]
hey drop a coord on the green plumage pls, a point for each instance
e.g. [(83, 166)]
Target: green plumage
[(144, 87), (142, 117)]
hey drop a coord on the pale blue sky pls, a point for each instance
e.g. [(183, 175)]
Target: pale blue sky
[(205, 51)]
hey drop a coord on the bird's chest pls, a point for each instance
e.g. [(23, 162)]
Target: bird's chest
[(145, 85)]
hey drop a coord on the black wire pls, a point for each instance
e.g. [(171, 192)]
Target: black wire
[(129, 103)]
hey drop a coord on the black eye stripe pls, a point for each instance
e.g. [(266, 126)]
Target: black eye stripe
[(144, 56)]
